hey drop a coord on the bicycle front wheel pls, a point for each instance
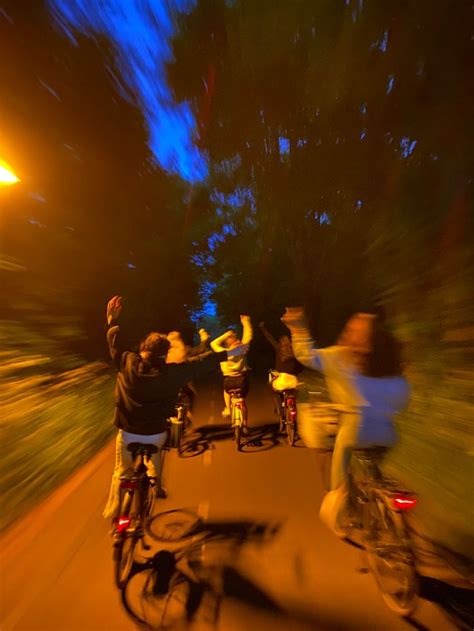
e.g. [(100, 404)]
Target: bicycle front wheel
[(124, 549), (390, 557)]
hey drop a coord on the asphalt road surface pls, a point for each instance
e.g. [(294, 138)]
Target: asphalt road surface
[(57, 570)]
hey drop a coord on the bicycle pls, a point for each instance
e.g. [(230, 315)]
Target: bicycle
[(377, 506), (238, 415), (137, 498), (287, 410)]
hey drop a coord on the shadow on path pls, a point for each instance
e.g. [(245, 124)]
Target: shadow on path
[(259, 438)]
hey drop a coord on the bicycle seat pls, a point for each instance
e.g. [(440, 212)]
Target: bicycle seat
[(142, 448)]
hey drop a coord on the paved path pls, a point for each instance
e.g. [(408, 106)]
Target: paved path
[(57, 569)]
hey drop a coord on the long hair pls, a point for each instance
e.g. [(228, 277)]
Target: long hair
[(374, 350)]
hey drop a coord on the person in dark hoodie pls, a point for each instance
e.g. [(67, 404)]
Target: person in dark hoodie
[(146, 392)]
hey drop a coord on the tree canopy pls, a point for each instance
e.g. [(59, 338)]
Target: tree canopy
[(338, 145)]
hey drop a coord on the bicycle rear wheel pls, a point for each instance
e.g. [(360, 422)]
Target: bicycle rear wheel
[(149, 496), (390, 557), (237, 420), (238, 437), (124, 549), (290, 427), (281, 414)]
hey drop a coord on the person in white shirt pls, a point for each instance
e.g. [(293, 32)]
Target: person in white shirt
[(234, 370), (363, 371)]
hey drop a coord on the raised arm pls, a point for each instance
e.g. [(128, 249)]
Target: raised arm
[(116, 348), (268, 335), (216, 344), (303, 344), (247, 333), (203, 345), (204, 363)]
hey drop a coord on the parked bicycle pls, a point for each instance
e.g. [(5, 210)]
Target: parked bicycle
[(238, 415), (136, 502), (377, 507), (284, 386)]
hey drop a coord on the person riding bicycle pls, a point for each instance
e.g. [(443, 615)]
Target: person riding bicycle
[(363, 371), (146, 392), (287, 367), (178, 353), (234, 369)]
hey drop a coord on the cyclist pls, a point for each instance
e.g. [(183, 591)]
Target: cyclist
[(179, 353), (363, 371), (287, 367), (146, 392), (234, 369)]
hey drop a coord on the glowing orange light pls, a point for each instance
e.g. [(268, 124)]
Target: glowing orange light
[(7, 176)]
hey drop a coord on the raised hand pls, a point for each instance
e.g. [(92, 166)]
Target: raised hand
[(114, 307), (293, 315), (203, 335)]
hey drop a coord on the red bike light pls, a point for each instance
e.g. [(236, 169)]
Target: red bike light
[(125, 484), (403, 502), (123, 523), (293, 414), (238, 405)]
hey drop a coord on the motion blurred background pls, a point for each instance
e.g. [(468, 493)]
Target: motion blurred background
[(215, 157)]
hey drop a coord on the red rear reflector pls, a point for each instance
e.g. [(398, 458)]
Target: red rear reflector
[(123, 523), (290, 401), (293, 413), (401, 502), (238, 405)]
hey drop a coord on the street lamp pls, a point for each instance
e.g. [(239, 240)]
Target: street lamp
[(7, 177)]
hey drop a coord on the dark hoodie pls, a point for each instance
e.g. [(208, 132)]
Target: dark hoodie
[(146, 394)]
